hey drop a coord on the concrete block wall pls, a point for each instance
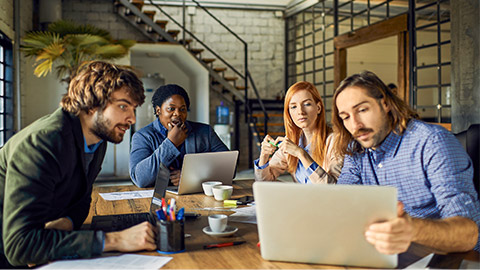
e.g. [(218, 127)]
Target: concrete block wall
[(262, 30)]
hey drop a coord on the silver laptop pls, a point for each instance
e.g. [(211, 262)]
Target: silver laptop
[(322, 224), (200, 167)]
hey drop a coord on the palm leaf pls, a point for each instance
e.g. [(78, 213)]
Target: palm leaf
[(64, 27), (46, 59), (37, 41), (111, 51), (127, 43)]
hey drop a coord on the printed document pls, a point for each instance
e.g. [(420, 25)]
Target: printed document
[(126, 195), (126, 261)]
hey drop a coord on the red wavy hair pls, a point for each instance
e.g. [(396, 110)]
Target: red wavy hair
[(293, 132)]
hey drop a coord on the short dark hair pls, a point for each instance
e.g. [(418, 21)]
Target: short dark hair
[(166, 91), (93, 85)]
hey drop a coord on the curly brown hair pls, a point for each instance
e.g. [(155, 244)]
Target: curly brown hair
[(399, 115), (93, 85)]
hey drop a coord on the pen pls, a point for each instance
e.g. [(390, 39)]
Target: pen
[(224, 244), (276, 145)]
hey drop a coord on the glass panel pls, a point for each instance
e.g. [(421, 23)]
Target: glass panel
[(329, 47), (9, 57), (446, 115), (299, 68), (427, 96), (309, 77), (309, 66), (329, 75), (309, 53), (299, 55), (309, 40), (446, 55), (319, 77), (445, 33), (318, 50), (360, 21), (427, 56), (9, 89), (319, 63), (2, 108), (299, 30), (1, 53), (9, 73), (9, 120), (428, 76), (2, 88), (2, 135), (427, 36), (446, 74), (428, 114), (446, 95), (344, 27), (300, 78), (8, 105), (329, 60), (329, 89), (329, 31), (328, 103), (2, 73)]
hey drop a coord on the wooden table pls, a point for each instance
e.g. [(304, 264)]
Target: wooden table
[(245, 256)]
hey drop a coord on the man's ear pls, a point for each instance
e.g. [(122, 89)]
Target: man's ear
[(385, 106)]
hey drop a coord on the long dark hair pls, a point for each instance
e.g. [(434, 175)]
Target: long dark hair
[(399, 115)]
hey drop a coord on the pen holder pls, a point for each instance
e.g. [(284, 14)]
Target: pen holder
[(171, 236)]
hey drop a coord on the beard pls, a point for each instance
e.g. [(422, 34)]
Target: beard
[(101, 128)]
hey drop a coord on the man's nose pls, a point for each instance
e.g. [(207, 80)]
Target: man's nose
[(356, 123), (131, 118)]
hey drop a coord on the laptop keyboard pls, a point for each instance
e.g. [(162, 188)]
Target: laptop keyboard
[(119, 222)]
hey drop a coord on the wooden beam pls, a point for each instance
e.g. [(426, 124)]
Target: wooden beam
[(383, 29)]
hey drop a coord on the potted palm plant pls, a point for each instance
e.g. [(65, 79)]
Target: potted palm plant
[(69, 46)]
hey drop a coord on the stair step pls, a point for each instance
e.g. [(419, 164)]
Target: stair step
[(219, 69), (173, 33), (137, 3), (227, 78), (196, 51), (187, 41), (270, 124), (161, 23), (208, 60), (240, 87), (273, 134), (269, 115), (150, 14)]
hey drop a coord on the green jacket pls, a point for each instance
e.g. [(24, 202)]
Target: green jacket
[(42, 178)]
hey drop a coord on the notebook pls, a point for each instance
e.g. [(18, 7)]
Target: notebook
[(322, 224), (200, 167), (109, 223)]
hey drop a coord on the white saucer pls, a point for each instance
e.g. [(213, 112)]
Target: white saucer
[(228, 231)]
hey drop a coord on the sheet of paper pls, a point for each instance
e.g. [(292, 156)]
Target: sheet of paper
[(126, 261), (244, 214), (116, 196), (422, 263)]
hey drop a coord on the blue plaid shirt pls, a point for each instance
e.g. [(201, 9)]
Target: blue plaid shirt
[(428, 166)]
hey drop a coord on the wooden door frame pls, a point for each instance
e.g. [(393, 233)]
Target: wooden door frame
[(395, 26)]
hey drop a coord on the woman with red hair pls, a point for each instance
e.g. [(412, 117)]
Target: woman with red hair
[(306, 151)]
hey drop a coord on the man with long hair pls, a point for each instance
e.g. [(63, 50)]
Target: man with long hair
[(385, 144), (47, 171)]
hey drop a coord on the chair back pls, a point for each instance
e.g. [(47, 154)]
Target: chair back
[(470, 139)]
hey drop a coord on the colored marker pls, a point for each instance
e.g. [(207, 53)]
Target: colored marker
[(276, 145)]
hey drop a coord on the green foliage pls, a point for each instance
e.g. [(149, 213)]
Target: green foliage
[(70, 46)]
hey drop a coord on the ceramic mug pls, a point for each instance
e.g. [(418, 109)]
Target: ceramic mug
[(207, 187), (222, 192), (217, 223)]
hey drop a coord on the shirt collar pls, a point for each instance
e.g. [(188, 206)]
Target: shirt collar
[(389, 145), (90, 149)]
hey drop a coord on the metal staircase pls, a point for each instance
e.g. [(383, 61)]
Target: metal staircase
[(233, 88)]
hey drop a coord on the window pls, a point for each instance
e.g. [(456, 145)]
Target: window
[(6, 89)]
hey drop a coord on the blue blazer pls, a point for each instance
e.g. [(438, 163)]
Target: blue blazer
[(152, 152)]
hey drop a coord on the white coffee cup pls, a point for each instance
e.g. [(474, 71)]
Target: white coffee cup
[(217, 223), (222, 192), (207, 187)]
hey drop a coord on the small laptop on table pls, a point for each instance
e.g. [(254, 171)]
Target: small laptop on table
[(111, 223), (201, 167), (322, 224)]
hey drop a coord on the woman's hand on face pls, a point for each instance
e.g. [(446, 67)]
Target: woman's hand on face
[(288, 147)]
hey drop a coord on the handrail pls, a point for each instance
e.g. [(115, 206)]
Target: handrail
[(262, 106), (197, 39)]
